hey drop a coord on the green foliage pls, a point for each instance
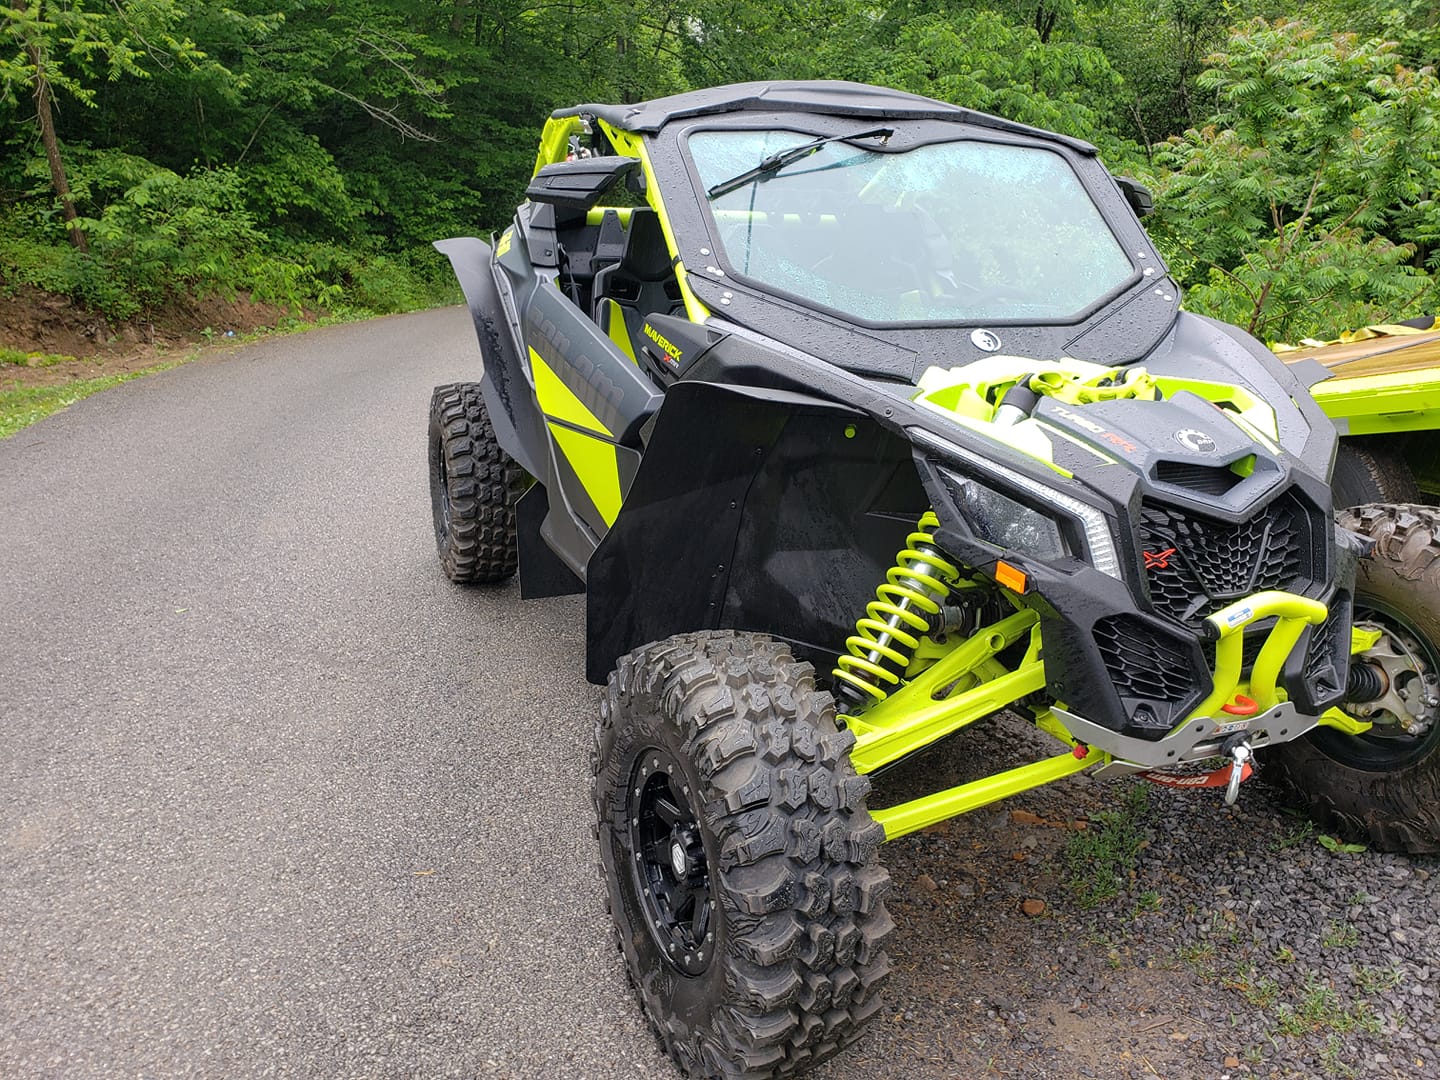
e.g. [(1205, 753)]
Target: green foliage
[(310, 153), (295, 184), (378, 283), (1320, 1008), (170, 235), (57, 267), (1158, 49), (1339, 935), (1283, 210), (1339, 847), (19, 358), (21, 407), (160, 237), (72, 46), (1101, 858), (1378, 980), (996, 66)]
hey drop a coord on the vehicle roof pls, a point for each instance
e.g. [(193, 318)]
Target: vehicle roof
[(830, 97)]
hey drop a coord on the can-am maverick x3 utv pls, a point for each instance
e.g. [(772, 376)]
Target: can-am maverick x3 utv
[(860, 417)]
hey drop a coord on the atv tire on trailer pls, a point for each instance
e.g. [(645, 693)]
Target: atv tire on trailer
[(473, 488), (1371, 470), (1383, 787), (739, 855)]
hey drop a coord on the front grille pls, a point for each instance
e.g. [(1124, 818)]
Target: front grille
[(1143, 663), (1196, 565)]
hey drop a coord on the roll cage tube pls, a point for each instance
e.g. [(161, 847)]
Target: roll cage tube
[(554, 144)]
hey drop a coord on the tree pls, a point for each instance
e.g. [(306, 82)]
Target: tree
[(61, 46), (1291, 205), (997, 66), (1159, 49)]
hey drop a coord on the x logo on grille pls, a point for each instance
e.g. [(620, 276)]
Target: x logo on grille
[(1158, 560)]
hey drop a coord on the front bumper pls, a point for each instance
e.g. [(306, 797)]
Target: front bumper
[(1133, 651), (1245, 700)]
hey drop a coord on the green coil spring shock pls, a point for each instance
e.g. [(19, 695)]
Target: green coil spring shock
[(895, 621)]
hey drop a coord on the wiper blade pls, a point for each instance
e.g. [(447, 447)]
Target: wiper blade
[(781, 158)]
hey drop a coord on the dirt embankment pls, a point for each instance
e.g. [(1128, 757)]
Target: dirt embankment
[(36, 322)]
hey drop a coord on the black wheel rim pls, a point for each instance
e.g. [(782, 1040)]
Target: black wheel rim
[(1387, 750), (439, 490), (670, 864)]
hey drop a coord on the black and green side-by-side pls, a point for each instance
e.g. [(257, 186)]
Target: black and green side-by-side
[(844, 464)]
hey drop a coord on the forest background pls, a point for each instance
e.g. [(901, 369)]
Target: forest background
[(306, 152)]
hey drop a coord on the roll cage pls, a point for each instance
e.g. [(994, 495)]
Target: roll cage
[(1121, 326)]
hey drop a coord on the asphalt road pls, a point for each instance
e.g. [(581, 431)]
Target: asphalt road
[(277, 798)]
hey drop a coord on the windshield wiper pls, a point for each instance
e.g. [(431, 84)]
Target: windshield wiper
[(781, 158)]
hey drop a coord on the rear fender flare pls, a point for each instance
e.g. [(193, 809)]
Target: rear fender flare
[(509, 393)]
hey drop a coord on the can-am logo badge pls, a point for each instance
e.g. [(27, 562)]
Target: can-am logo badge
[(1158, 560), (984, 339), (1195, 441)]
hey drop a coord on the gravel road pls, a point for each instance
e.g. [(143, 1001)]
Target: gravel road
[(279, 800)]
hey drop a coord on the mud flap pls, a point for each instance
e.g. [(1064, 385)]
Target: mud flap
[(752, 509), (542, 572)]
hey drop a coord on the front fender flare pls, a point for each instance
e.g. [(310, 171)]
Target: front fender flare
[(753, 509)]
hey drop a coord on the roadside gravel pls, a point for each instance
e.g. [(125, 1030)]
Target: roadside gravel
[(1236, 945)]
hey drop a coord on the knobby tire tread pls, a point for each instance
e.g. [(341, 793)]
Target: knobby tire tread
[(482, 484), (1371, 470), (800, 888)]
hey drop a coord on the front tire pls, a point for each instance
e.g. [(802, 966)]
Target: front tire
[(474, 486), (739, 855), (1383, 787)]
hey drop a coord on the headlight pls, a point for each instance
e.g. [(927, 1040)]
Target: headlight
[(1001, 520)]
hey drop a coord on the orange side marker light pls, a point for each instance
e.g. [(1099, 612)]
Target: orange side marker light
[(1012, 577)]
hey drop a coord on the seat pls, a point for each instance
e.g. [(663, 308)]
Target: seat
[(585, 250), (910, 249), (642, 282)]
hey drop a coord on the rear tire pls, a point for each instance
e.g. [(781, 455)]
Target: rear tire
[(1383, 787), (739, 856), (473, 488)]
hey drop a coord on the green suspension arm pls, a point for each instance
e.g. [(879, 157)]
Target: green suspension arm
[(911, 718)]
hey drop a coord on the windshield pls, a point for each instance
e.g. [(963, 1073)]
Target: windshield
[(957, 231)]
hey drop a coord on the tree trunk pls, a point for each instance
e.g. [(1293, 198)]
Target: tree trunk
[(622, 50), (46, 120), (1045, 23)]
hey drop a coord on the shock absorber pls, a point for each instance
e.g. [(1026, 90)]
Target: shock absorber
[(905, 604)]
